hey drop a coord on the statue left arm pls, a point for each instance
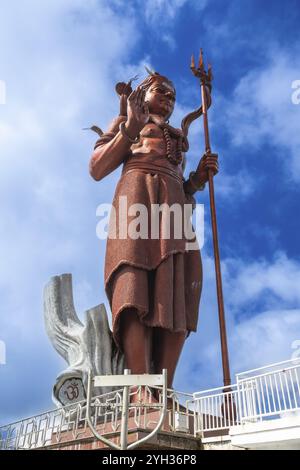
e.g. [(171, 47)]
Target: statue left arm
[(198, 178)]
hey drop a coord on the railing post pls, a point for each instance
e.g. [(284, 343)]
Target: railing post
[(124, 421)]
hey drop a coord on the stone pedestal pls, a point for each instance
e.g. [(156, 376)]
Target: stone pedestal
[(163, 440), (166, 438)]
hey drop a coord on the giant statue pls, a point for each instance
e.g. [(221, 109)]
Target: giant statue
[(153, 283)]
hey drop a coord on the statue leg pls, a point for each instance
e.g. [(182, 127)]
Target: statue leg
[(167, 347), (136, 342)]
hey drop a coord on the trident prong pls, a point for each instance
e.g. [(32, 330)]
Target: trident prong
[(201, 64), (193, 62), (205, 77)]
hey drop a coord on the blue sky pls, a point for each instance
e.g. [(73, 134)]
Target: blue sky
[(60, 60)]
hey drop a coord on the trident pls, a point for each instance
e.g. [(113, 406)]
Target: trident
[(205, 83)]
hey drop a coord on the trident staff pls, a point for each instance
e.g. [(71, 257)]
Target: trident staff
[(205, 83)]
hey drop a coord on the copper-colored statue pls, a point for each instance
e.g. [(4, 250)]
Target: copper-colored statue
[(154, 284)]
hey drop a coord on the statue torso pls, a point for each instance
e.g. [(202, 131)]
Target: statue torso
[(152, 148)]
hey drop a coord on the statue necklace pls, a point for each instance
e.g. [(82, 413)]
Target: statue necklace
[(173, 155)]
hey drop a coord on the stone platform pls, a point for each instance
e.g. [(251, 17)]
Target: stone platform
[(161, 441), (166, 438)]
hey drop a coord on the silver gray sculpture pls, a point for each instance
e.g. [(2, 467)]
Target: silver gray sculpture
[(84, 347)]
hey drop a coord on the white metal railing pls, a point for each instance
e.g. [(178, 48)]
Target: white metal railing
[(259, 394), (216, 409), (269, 392), (128, 380), (69, 424)]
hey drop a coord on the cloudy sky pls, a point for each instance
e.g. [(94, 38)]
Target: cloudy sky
[(60, 60)]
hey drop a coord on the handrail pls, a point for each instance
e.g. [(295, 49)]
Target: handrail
[(127, 379), (257, 397), (269, 366)]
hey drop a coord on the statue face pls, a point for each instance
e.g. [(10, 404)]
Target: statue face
[(160, 98)]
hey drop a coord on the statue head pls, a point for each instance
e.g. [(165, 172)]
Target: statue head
[(160, 94)]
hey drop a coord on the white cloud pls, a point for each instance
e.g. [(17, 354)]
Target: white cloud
[(165, 10), (60, 71), (257, 338), (170, 40), (262, 111), (278, 281), (241, 183), (158, 11), (57, 85), (263, 339), (164, 13)]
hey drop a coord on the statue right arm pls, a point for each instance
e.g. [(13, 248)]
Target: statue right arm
[(113, 147), (110, 151)]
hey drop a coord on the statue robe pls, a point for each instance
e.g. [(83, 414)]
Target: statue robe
[(158, 277)]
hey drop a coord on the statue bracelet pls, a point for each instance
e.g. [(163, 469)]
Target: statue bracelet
[(124, 134)]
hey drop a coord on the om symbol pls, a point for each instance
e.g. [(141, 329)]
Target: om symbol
[(72, 391)]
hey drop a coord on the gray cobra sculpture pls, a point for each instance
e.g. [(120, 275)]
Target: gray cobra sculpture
[(84, 347)]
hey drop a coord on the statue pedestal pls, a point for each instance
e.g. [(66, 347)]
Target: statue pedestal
[(89, 349), (165, 439)]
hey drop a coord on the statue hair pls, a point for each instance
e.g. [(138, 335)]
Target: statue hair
[(155, 77)]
